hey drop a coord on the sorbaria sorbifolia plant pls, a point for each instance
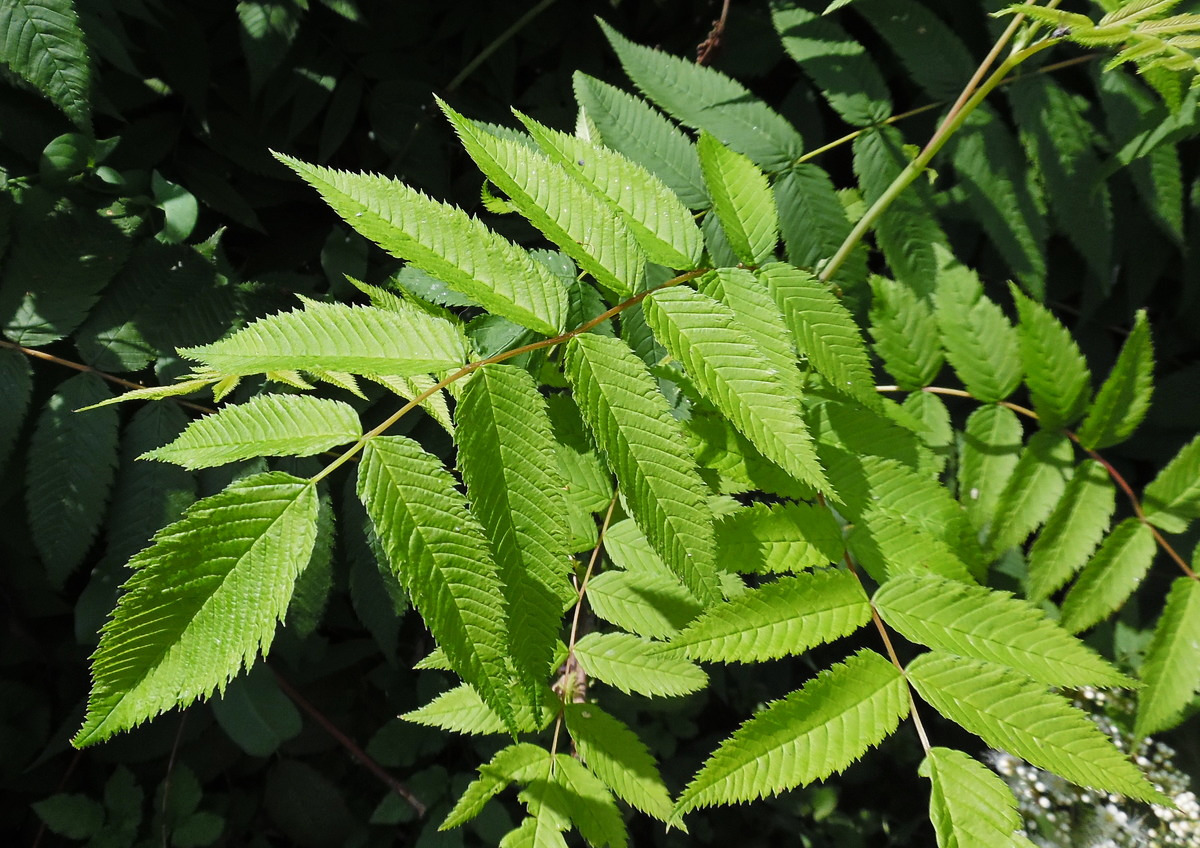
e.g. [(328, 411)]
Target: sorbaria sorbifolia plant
[(675, 425)]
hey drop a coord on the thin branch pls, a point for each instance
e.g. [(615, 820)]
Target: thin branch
[(497, 43), (709, 47)]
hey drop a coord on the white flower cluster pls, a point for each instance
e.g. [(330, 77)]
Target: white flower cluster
[(1059, 814)]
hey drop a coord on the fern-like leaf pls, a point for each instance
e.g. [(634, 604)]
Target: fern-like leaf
[(969, 804), (646, 450), (1011, 712), (1124, 398), (645, 603), (728, 370), (440, 554), (815, 731), (202, 602), (779, 619), (266, 425), (906, 334), (444, 242), (1072, 531), (1033, 490), (783, 538), (1055, 370), (1171, 670), (742, 200), (336, 337), (633, 664), (1172, 499), (1111, 575), (986, 624)]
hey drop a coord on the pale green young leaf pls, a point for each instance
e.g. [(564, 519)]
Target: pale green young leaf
[(463, 710), (758, 317), (905, 333), (813, 223), (590, 804), (186, 387), (645, 603), (969, 804), (987, 456), (742, 200), (438, 551), (783, 618), (1110, 576), (1172, 499), (507, 459), (202, 602), (1171, 670), (987, 624), (337, 337), (1132, 11), (815, 731), (1072, 531), (980, 343), (727, 369), (1013, 713), (1124, 398), (71, 464), (444, 242), (634, 128), (518, 761), (534, 832), (1033, 490), (823, 329), (647, 451), (706, 99), (655, 216), (553, 201), (42, 43), (779, 538), (633, 664), (1059, 381), (617, 756), (265, 425)]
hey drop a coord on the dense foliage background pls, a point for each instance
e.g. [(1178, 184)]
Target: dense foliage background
[(200, 229)]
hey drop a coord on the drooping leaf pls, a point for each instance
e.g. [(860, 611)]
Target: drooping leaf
[(906, 334), (1033, 490), (727, 369), (1072, 531), (742, 200), (1011, 712), (1055, 370), (986, 624), (778, 619), (969, 804), (439, 552), (336, 337), (265, 425), (1171, 670), (1110, 577), (778, 539), (1124, 398), (41, 42), (988, 453), (815, 731), (645, 603), (633, 664), (202, 602), (1172, 499), (646, 450), (71, 464)]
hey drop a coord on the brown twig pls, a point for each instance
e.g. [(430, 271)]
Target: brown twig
[(710, 46)]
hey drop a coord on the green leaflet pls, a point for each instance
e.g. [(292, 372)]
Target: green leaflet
[(813, 223), (889, 543), (655, 216), (1036, 484), (815, 731), (518, 761), (1059, 381), (635, 129), (507, 459), (823, 329), (1124, 398), (534, 833), (440, 554), (986, 624), (779, 619), (41, 42), (905, 333), (633, 664), (730, 464), (336, 337), (862, 431), (706, 99), (546, 194), (590, 805), (837, 63), (1172, 499), (742, 200), (930, 51), (1072, 531), (645, 603), (969, 804), (1171, 670), (1011, 712), (172, 640), (71, 463), (782, 538), (265, 425), (980, 343), (758, 317), (617, 756), (1110, 577), (444, 242), (936, 432), (728, 370), (462, 710), (647, 452)]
